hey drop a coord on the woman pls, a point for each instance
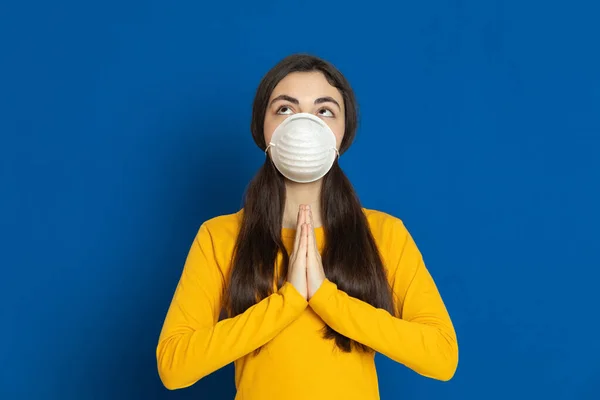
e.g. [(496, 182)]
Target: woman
[(307, 325)]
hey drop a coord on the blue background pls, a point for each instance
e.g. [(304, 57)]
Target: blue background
[(125, 124)]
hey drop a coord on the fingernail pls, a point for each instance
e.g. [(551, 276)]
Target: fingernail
[(308, 207)]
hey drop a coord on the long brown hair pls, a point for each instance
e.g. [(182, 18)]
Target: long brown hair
[(350, 256)]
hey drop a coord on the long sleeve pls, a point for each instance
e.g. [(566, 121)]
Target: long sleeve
[(423, 338), (193, 343)]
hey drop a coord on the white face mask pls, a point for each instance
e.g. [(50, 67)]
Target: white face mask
[(303, 148)]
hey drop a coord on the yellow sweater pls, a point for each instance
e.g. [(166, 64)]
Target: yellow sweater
[(295, 361)]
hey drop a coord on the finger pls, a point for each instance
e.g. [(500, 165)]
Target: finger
[(307, 214), (298, 228), (302, 219), (303, 250), (313, 233), (311, 238)]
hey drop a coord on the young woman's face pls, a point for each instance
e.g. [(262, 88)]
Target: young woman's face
[(306, 92)]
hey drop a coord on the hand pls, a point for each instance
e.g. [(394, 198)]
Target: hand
[(314, 264), (297, 267)]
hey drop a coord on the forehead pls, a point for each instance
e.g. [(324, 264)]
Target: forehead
[(306, 85)]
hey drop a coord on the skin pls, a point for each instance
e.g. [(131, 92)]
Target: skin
[(305, 92), (306, 272)]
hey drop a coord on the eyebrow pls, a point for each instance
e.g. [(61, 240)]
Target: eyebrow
[(327, 99), (293, 100)]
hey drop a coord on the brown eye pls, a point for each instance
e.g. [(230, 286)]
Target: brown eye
[(284, 110), (324, 112)]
